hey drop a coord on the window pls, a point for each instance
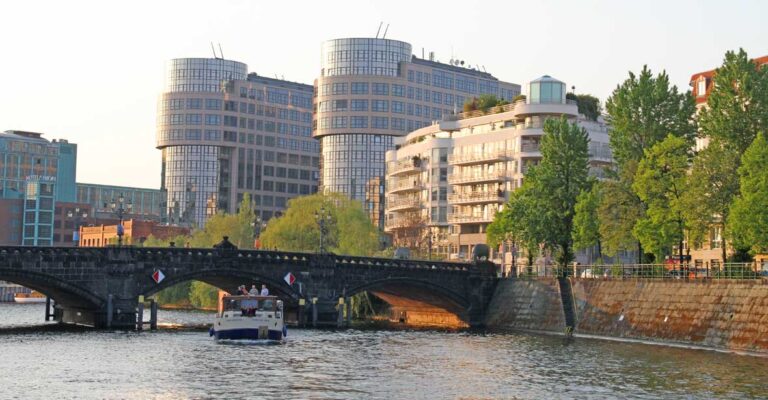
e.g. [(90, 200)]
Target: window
[(194, 104), (230, 106), (380, 105), (398, 90), (359, 105), (358, 122), (194, 119), (212, 104), (381, 89), (230, 121), (701, 87), (398, 107), (359, 88), (380, 122), (339, 88), (212, 119)]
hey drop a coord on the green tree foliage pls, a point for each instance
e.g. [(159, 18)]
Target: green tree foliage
[(737, 106), (618, 212), (237, 226), (483, 103), (562, 176), (748, 220), (586, 224), (643, 110), (712, 186), (661, 183), (203, 295), (175, 295), (350, 229), (589, 106)]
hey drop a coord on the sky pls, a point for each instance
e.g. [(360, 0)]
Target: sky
[(91, 71)]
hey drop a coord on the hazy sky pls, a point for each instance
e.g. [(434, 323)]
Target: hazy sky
[(90, 72)]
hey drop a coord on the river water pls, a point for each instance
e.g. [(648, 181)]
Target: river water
[(40, 361)]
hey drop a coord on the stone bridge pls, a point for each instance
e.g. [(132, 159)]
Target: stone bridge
[(101, 286)]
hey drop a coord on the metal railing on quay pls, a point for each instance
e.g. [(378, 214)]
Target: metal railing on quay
[(751, 271)]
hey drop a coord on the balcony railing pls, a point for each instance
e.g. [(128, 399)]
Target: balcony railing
[(469, 219), (406, 186), (403, 204), (477, 197), (530, 147), (404, 168), (499, 176), (477, 158), (399, 223)]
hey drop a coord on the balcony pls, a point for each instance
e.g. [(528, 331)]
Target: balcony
[(477, 197), (530, 148), (499, 176), (477, 158), (405, 187), (469, 219), (406, 168), (402, 223), (403, 204)]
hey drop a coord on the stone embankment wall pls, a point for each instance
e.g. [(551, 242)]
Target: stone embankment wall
[(719, 314), (529, 305)]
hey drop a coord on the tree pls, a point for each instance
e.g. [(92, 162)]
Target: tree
[(618, 213), (586, 224), (349, 229), (483, 103), (589, 106), (748, 219), (737, 106), (712, 188), (236, 226), (661, 183), (643, 110)]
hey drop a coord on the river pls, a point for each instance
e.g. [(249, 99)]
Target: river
[(41, 361)]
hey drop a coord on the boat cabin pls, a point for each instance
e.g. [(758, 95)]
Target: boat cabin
[(250, 306)]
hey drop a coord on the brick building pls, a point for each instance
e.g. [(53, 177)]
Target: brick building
[(134, 232)]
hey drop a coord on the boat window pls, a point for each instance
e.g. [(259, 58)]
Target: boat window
[(232, 305), (266, 305)]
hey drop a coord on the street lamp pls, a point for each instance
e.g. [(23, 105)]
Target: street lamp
[(76, 215), (432, 237), (323, 218), (119, 207), (257, 225)]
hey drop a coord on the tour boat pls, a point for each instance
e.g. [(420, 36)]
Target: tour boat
[(249, 317), (33, 297)]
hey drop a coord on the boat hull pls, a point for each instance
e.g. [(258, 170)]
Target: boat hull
[(29, 299), (246, 334)]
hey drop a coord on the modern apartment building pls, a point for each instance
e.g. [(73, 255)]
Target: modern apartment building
[(224, 132), (146, 204), (371, 91), (445, 182)]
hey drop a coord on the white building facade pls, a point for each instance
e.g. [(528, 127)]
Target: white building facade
[(446, 182)]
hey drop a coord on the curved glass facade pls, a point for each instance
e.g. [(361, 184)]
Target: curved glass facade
[(202, 74), (191, 176), (546, 90), (360, 56), (351, 161)]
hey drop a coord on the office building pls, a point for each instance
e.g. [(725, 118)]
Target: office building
[(135, 232), (24, 154), (145, 204), (371, 91), (224, 132), (446, 182)]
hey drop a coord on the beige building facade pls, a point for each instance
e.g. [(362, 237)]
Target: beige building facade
[(372, 91), (446, 182)]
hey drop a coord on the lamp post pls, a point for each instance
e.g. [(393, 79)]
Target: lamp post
[(76, 215), (257, 225), (119, 207), (323, 218)]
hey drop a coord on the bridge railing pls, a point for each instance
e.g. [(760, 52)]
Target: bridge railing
[(690, 272), (127, 253)]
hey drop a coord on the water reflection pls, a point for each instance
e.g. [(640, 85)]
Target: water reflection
[(355, 364)]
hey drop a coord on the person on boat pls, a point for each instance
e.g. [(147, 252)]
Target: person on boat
[(264, 290), (254, 291)]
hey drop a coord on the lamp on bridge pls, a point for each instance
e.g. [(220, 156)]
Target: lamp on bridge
[(76, 215), (119, 207), (257, 225), (323, 218)]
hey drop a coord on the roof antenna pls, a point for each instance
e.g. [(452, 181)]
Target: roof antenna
[(379, 30), (214, 51), (221, 52), (385, 32)]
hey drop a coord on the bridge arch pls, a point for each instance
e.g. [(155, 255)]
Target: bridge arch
[(62, 292), (227, 279), (417, 295)]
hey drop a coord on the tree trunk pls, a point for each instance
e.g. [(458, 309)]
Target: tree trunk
[(599, 251), (639, 252), (723, 242)]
